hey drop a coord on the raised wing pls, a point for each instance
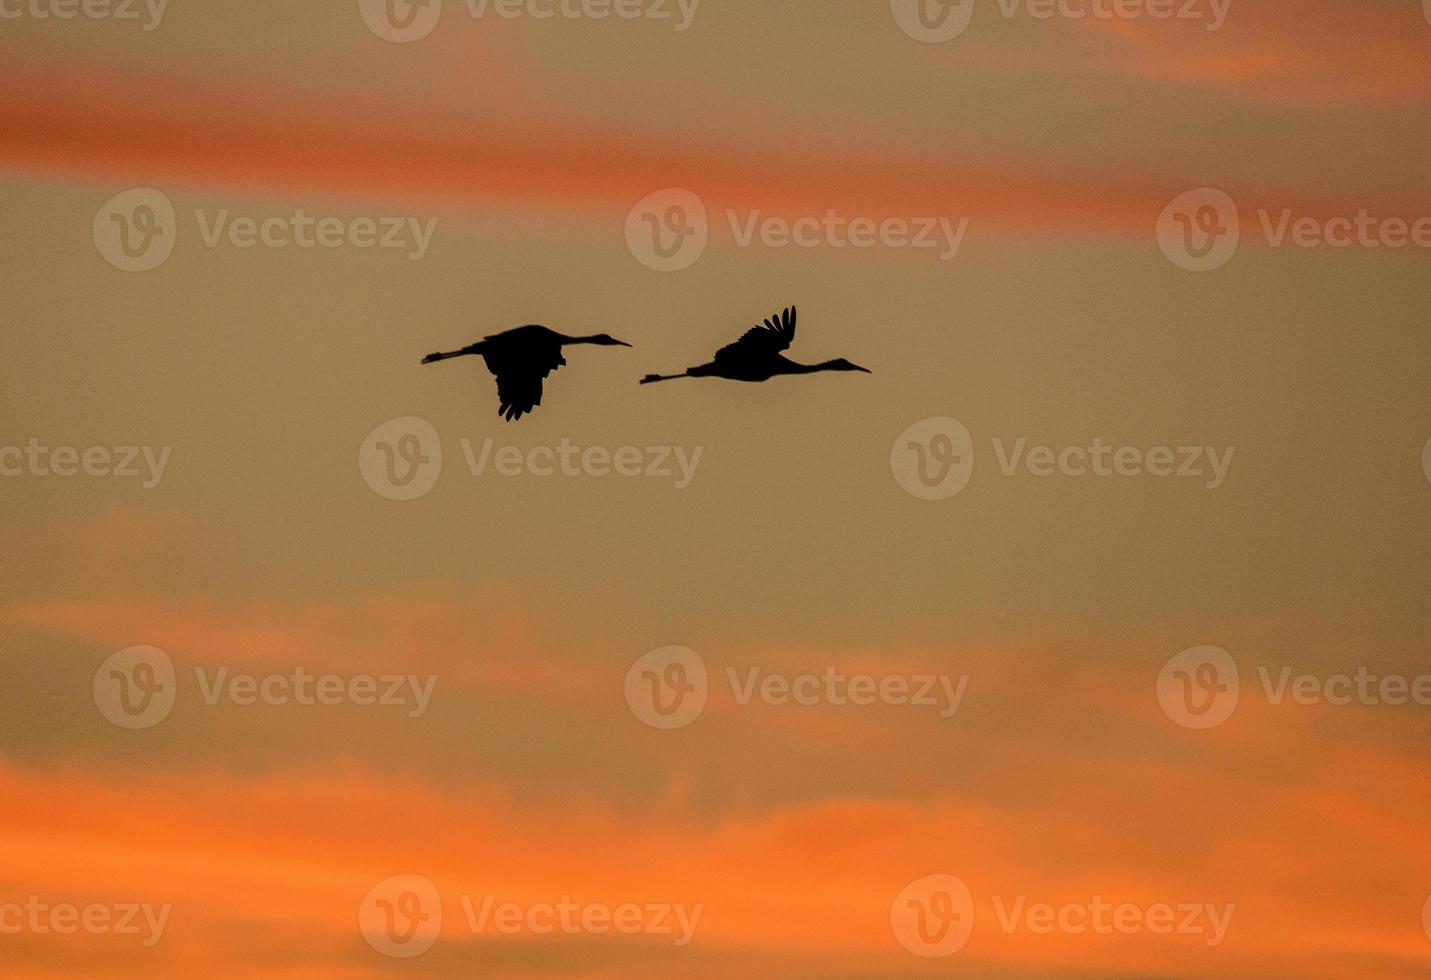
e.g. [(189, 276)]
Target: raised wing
[(771, 337)]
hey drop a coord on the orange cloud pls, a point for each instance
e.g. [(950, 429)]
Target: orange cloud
[(289, 856), (1058, 782), (493, 148)]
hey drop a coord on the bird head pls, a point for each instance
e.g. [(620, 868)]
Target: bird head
[(606, 340), (840, 364)]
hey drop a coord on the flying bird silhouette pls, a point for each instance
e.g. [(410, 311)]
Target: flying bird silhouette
[(756, 356), (520, 359)]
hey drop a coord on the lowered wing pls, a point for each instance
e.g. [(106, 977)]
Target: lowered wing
[(519, 373), (519, 394)]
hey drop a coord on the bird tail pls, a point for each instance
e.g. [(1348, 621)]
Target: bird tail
[(650, 378)]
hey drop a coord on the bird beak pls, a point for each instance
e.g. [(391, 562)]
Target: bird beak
[(623, 343), (865, 370)]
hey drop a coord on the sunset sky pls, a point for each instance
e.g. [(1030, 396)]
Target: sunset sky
[(254, 540)]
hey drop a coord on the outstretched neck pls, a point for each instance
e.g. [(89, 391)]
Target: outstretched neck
[(797, 368)]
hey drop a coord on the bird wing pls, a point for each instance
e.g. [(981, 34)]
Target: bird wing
[(519, 373), (771, 337), (519, 394)]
